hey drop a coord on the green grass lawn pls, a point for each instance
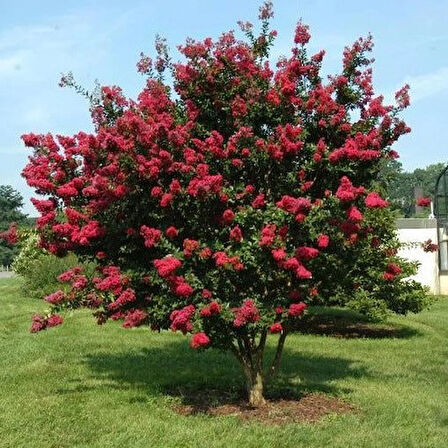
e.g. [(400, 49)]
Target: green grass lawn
[(81, 385)]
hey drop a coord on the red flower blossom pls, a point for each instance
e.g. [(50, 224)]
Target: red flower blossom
[(354, 215), (392, 270), (183, 289), (429, 246), (307, 253), (180, 319), (171, 232), (302, 35), (228, 216), (11, 235), (206, 293), (205, 253), (54, 320), (55, 297), (236, 234), (276, 328), (278, 254), (190, 246), (134, 318), (268, 235), (297, 309), (423, 202), (248, 313), (346, 192), (152, 236), (294, 205), (199, 340), (259, 201), (166, 199), (374, 200), (323, 241), (303, 273), (167, 266), (40, 322), (212, 309), (125, 297)]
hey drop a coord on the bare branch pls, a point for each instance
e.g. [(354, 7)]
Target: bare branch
[(278, 357)]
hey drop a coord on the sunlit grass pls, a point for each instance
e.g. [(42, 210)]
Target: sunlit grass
[(81, 385)]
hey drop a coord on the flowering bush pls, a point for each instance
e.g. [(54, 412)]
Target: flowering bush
[(38, 269), (423, 202), (226, 212), (429, 246)]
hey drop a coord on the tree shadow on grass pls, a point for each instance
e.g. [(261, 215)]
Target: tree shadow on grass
[(212, 378), (347, 324)]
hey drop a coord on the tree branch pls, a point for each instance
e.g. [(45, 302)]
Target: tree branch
[(278, 357), (262, 342)]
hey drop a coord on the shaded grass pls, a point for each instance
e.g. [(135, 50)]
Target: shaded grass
[(81, 385)]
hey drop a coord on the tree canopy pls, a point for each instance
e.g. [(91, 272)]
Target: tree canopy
[(227, 209)]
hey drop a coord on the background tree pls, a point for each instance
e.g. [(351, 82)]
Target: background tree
[(225, 212), (11, 202), (400, 185)]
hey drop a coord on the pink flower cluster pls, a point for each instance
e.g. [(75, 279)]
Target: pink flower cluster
[(268, 235), (112, 280), (56, 297), (151, 236), (167, 266), (223, 260), (307, 253), (125, 297), (296, 266), (181, 319), (346, 192), (11, 235), (424, 201), (374, 200), (296, 206), (392, 270), (323, 241), (212, 309), (200, 340), (40, 322), (297, 309), (429, 246), (247, 313), (134, 318), (276, 328)]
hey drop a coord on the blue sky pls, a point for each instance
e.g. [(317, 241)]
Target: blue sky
[(102, 40)]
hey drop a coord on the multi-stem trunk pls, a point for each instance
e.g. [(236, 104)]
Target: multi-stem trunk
[(251, 359)]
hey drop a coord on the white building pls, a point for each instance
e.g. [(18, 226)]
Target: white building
[(433, 270)]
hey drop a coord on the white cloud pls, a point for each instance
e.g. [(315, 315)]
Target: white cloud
[(427, 85)]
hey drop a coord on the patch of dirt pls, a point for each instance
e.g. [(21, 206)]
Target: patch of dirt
[(277, 411)]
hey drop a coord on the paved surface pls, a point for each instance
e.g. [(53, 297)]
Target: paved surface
[(6, 274)]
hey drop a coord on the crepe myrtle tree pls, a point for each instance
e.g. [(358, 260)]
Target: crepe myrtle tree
[(225, 210)]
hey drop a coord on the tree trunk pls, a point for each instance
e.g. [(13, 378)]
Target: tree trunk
[(255, 387), (251, 359)]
